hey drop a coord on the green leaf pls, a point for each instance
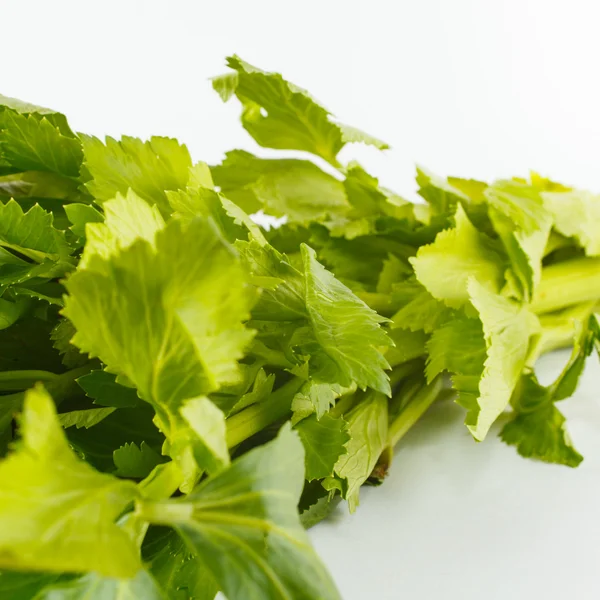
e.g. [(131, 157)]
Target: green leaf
[(207, 421), (316, 397), (190, 288), (95, 587), (241, 219), (408, 345), (34, 143), (31, 234), (61, 337), (157, 486), (369, 203), (507, 327), (103, 389), (393, 272), (17, 585), (126, 425), (200, 177), (278, 114), (40, 291), (456, 256), (197, 200), (586, 336), (538, 428), (576, 214), (324, 442), (368, 198), (176, 569), (420, 310), (296, 189), (27, 345), (243, 525), (25, 108), (46, 493), (438, 192), (340, 333), (161, 483), (521, 220), (136, 461), (346, 329), (148, 168), (318, 511), (11, 312), (37, 185), (16, 271), (261, 390), (225, 85), (52, 205), (81, 214), (359, 259), (84, 418), (193, 451), (457, 347), (126, 219), (282, 297), (368, 430), (519, 202), (352, 135)]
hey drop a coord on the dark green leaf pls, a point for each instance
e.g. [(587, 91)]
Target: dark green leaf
[(136, 461), (96, 587), (104, 390), (324, 442), (177, 570), (123, 426), (16, 585), (538, 427)]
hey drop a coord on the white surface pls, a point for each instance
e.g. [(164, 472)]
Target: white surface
[(471, 88), (478, 88)]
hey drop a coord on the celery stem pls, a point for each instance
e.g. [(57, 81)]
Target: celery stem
[(566, 283), (164, 513), (414, 410), (558, 330), (343, 405), (255, 418), (21, 380), (60, 386)]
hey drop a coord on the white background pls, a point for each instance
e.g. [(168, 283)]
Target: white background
[(479, 88)]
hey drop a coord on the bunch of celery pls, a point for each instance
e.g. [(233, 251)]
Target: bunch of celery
[(182, 390)]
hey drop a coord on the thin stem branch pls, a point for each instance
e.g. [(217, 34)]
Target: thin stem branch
[(23, 379), (558, 330), (343, 405), (414, 410), (255, 418)]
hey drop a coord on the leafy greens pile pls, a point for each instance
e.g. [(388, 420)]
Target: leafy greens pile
[(183, 391)]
